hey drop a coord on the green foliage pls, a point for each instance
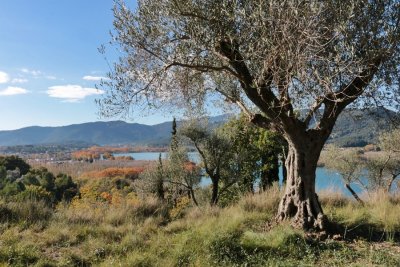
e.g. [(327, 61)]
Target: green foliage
[(65, 188), (36, 184), (14, 162), (171, 179), (215, 153), (256, 152), (33, 192), (174, 180), (30, 179), (235, 156)]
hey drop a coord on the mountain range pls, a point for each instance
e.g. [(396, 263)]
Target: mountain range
[(353, 128), (99, 133)]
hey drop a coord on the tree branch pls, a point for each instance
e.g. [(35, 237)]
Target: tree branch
[(202, 68), (335, 103), (269, 102)]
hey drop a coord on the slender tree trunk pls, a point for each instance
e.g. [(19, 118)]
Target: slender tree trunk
[(264, 174), (160, 189), (300, 202), (214, 194), (193, 196), (354, 194), (271, 175)]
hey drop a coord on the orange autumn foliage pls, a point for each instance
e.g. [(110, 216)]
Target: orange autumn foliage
[(128, 172), (85, 155), (190, 166)]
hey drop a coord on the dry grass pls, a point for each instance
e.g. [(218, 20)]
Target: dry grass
[(333, 197), (125, 233), (264, 202)]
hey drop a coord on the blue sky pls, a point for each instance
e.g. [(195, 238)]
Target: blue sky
[(49, 62)]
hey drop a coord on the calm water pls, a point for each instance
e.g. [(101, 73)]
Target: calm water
[(325, 179)]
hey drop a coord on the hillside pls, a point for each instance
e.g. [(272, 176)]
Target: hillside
[(101, 133), (354, 128), (359, 127)]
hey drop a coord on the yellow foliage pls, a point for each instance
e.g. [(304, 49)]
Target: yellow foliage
[(132, 199), (88, 192), (117, 197), (106, 196), (181, 204)]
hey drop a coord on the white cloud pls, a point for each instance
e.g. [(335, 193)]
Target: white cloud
[(94, 78), (4, 78), (50, 77), (19, 80), (13, 91), (32, 72), (72, 93)]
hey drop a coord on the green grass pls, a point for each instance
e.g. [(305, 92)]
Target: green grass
[(238, 235)]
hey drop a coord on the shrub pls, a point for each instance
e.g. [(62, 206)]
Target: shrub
[(13, 163), (126, 172), (36, 193)]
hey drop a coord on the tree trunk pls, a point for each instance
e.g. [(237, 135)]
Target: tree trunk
[(270, 175), (214, 194), (160, 189), (354, 194), (300, 202), (193, 196)]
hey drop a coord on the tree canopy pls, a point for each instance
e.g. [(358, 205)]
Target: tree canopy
[(278, 55)]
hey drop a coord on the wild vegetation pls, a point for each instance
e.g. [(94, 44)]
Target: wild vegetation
[(161, 216), (125, 230)]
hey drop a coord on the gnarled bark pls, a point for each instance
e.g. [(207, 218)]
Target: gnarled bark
[(300, 202)]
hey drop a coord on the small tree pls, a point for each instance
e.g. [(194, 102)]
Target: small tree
[(215, 153)]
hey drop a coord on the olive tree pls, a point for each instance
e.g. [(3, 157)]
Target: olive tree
[(269, 58), (215, 153)]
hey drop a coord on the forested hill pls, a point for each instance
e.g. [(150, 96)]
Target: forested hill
[(100, 133), (361, 127), (354, 128)]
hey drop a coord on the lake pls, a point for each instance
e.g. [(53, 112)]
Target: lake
[(325, 178)]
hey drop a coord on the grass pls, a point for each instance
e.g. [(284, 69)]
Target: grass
[(106, 234)]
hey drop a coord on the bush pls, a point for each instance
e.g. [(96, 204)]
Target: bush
[(13, 163), (36, 193)]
